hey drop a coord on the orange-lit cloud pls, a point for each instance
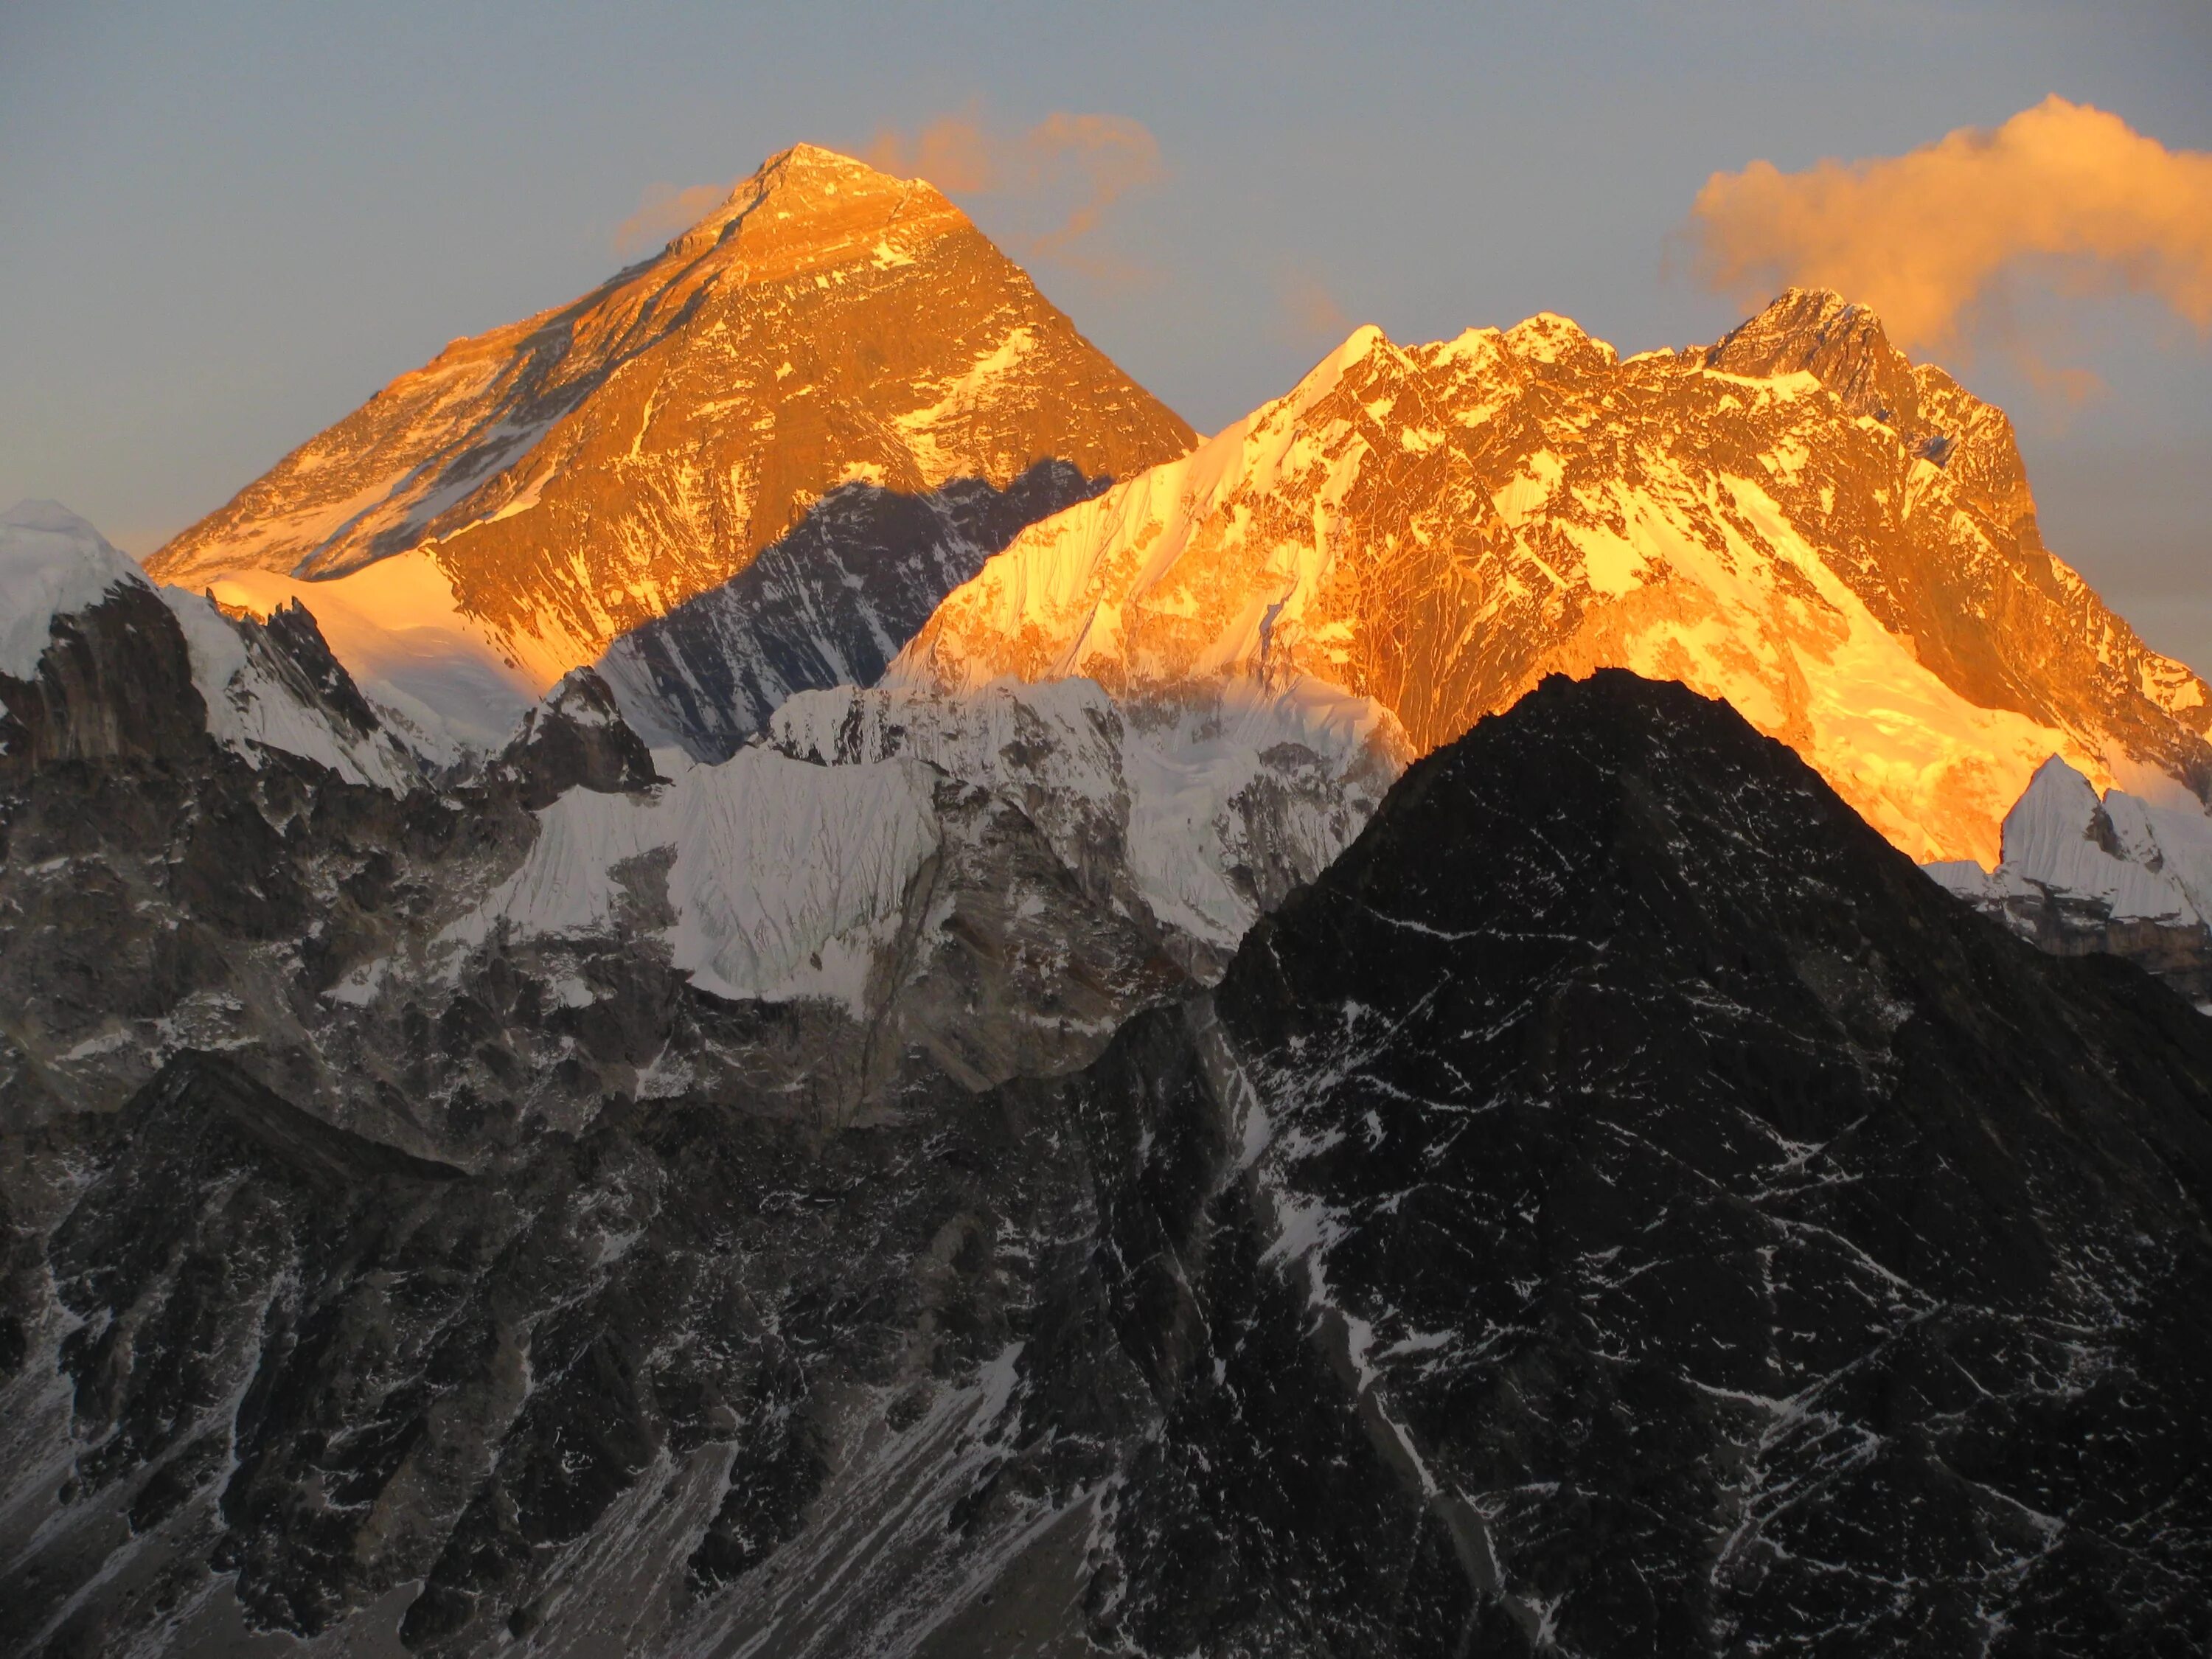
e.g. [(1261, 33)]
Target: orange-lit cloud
[(664, 211), (1099, 158), (1309, 311), (1930, 238)]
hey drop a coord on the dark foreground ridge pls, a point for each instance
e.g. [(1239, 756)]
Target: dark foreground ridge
[(1683, 1230), (1622, 1207)]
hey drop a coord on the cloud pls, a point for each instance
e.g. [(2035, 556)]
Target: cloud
[(1309, 310), (1932, 240), (1096, 159), (663, 211), (951, 152)]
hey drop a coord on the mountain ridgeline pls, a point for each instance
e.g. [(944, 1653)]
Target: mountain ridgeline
[(759, 969)]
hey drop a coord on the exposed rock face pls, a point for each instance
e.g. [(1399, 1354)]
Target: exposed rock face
[(1798, 519), (1621, 1206), (562, 480), (115, 683), (1645, 1215), (454, 968), (577, 737)]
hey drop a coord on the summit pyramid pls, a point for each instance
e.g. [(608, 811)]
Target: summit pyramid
[(534, 492)]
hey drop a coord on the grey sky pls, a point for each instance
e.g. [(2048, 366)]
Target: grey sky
[(223, 226)]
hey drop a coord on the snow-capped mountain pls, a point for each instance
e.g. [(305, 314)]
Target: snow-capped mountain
[(214, 842), (1840, 543), (75, 616), (752, 970), (499, 516)]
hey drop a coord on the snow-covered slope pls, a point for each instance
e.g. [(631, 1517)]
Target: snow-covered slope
[(52, 563), (1798, 519), (784, 880), (547, 487)]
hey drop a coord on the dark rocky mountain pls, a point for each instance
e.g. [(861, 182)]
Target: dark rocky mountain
[(1622, 1206)]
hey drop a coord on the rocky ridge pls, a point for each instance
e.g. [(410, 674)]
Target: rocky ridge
[(1839, 542), (1620, 1205)]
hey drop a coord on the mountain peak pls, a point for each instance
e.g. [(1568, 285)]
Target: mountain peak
[(808, 204), (565, 479), (1549, 338), (1842, 343)]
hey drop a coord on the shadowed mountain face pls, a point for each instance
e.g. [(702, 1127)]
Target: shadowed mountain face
[(1620, 1206), (580, 472), (1680, 1228), (828, 605)]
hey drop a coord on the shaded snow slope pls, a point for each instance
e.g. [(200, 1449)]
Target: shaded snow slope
[(784, 880), (1770, 520), (831, 604)]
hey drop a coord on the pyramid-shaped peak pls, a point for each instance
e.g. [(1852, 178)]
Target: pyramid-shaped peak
[(808, 195), (1803, 323)]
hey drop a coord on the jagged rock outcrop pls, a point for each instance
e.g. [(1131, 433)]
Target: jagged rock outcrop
[(1839, 541), (577, 738), (1621, 1206), (549, 486)]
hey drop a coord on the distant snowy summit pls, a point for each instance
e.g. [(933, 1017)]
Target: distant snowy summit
[(2083, 871)]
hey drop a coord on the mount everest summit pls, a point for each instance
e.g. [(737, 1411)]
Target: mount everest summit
[(760, 967)]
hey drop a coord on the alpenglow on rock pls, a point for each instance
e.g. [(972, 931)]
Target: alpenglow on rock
[(1839, 542), (533, 493)]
